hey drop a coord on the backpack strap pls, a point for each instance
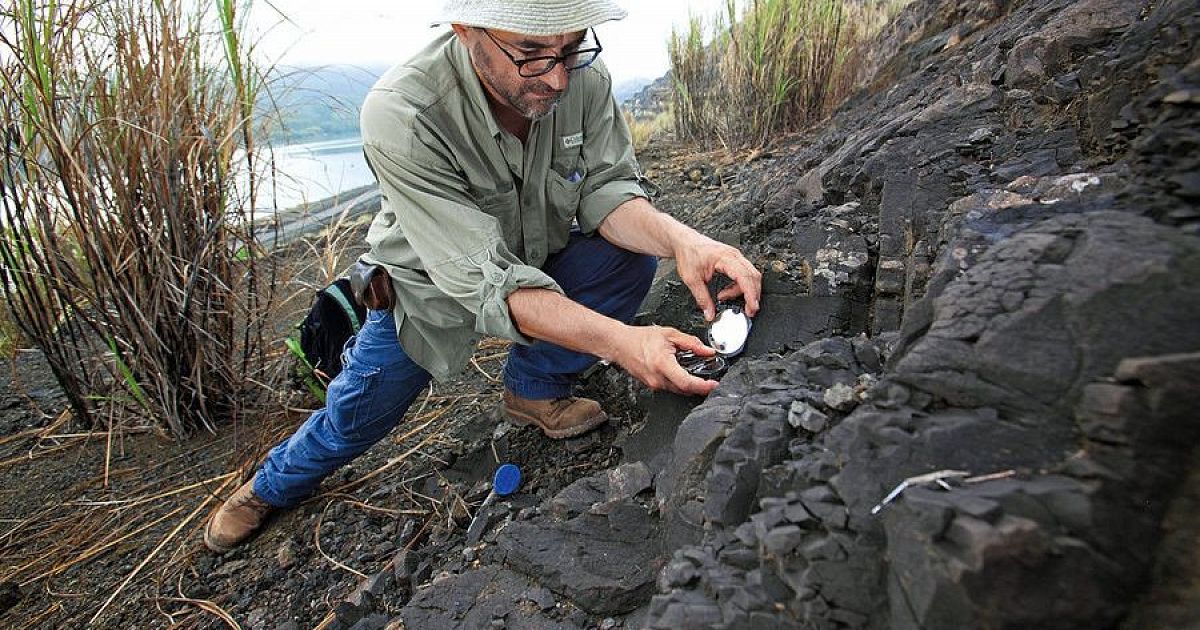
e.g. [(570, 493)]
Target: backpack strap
[(336, 291)]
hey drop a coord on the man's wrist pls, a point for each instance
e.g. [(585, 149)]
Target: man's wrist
[(676, 234), (683, 237), (611, 347)]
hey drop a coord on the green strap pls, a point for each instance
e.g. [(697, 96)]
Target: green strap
[(344, 300)]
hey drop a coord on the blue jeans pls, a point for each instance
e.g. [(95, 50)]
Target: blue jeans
[(379, 381)]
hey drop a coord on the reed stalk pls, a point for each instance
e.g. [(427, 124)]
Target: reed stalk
[(127, 184), (766, 67)]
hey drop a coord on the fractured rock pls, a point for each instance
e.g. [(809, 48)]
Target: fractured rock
[(628, 480), (472, 600), (802, 415), (1032, 288), (604, 563)]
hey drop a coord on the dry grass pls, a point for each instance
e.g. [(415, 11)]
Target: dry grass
[(150, 512), (644, 130), (142, 512), (768, 66), (128, 186), (127, 183)]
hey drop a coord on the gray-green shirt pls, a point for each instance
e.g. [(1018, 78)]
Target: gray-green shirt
[(469, 214)]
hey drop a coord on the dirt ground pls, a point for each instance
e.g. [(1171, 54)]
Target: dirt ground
[(106, 528)]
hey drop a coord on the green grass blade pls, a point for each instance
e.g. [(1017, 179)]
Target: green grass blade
[(127, 375), (308, 372)]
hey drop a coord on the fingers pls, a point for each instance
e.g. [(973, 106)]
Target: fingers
[(730, 292), (674, 378), (680, 380), (699, 289), (746, 278), (689, 385), (663, 372), (692, 343)]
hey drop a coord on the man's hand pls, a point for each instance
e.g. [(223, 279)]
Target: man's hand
[(699, 258), (648, 354), (635, 225)]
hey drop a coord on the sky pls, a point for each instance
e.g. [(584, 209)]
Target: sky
[(383, 32)]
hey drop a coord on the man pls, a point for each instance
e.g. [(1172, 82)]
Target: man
[(489, 147)]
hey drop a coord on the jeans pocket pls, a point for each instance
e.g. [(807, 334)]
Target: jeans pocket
[(353, 402)]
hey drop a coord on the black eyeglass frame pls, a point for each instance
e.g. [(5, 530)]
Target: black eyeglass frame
[(553, 59)]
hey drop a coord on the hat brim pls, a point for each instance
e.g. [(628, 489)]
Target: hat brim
[(545, 21)]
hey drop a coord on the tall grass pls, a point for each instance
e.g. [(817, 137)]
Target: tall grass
[(768, 66), (127, 189), (643, 130)]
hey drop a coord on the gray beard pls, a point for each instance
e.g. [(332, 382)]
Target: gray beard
[(533, 116)]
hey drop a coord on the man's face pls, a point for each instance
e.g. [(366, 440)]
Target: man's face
[(531, 97)]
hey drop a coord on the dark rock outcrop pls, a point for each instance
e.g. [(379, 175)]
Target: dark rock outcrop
[(1089, 455), (1043, 278)]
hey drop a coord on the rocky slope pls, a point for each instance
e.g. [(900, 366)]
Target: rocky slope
[(1018, 199), (985, 265)]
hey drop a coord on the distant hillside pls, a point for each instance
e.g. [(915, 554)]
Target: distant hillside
[(624, 90), (317, 103), (322, 103), (652, 99)]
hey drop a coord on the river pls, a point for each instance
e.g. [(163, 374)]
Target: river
[(312, 171)]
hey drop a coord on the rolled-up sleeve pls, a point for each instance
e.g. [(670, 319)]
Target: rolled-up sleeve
[(613, 174), (460, 246)]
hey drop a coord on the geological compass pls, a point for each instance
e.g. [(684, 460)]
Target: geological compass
[(727, 335)]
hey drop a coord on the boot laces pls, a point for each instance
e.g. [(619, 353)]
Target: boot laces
[(251, 501)]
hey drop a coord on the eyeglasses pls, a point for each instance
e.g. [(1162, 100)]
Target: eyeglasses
[(537, 66)]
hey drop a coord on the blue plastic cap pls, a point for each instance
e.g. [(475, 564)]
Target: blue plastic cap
[(507, 479)]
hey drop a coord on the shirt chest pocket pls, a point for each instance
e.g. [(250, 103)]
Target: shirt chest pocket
[(562, 195)]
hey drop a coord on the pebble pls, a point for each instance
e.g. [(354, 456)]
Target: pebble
[(803, 415), (981, 136), (841, 397), (257, 618), (286, 555), (541, 596), (229, 568)]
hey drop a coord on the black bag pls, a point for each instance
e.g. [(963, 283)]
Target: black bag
[(332, 320)]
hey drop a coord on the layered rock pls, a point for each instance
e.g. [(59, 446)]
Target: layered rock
[(1038, 269), (1078, 433)]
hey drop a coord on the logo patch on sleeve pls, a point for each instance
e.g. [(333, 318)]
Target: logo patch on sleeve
[(572, 141)]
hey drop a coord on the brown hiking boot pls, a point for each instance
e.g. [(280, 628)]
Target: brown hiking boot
[(559, 418), (240, 515)]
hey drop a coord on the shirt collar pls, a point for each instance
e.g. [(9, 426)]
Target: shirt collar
[(460, 60)]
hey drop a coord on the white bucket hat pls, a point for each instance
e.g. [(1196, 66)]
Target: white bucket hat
[(530, 17)]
